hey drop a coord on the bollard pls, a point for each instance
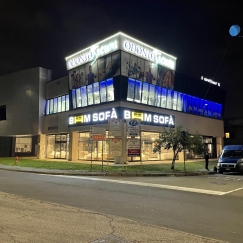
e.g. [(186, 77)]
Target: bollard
[(16, 160)]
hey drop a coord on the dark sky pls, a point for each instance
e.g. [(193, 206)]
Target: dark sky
[(42, 33)]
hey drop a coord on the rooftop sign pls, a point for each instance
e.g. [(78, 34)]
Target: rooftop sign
[(123, 42), (210, 81)]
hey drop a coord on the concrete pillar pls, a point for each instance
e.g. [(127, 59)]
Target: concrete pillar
[(41, 151), (73, 146)]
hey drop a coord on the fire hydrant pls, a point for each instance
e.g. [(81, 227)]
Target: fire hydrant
[(16, 160)]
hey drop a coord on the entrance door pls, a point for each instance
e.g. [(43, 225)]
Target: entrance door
[(60, 150)]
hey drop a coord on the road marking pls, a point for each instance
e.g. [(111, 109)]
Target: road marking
[(178, 188), (233, 190)]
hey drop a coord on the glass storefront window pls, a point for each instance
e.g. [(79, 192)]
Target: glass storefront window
[(90, 94), (92, 149), (147, 145), (63, 103), (96, 93), (74, 99), (67, 102), (23, 145), (151, 94), (59, 104), (103, 91), (55, 105), (84, 96), (51, 106), (57, 146), (110, 90), (78, 97), (47, 107)]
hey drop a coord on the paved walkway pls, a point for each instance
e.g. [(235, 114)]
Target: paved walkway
[(27, 220)]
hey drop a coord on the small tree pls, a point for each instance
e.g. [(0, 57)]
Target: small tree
[(178, 139)]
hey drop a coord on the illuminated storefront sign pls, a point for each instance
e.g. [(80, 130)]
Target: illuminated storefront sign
[(153, 56), (210, 81), (92, 117), (123, 42), (148, 118), (91, 54)]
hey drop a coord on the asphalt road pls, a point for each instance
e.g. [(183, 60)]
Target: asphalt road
[(209, 206)]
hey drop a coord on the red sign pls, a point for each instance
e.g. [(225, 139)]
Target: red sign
[(98, 137), (133, 152)]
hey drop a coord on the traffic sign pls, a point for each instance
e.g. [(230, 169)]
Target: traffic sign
[(133, 127)]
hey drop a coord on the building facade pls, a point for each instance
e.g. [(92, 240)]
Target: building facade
[(112, 105)]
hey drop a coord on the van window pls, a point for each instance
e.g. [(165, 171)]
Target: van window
[(232, 153)]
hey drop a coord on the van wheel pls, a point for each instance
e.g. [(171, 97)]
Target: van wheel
[(220, 172)]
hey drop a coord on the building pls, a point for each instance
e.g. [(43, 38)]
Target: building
[(117, 95)]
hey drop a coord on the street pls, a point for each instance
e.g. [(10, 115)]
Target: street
[(208, 206)]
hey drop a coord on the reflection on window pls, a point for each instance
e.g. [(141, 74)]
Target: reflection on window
[(47, 107), (67, 102), (57, 104), (138, 91), (78, 97), (174, 101), (154, 95), (84, 96), (151, 94), (90, 94), (74, 98), (103, 91), (96, 93), (145, 93), (63, 103), (157, 96), (110, 90), (23, 145), (130, 89), (51, 106)]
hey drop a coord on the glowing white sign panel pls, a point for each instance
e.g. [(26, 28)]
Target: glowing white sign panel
[(210, 81)]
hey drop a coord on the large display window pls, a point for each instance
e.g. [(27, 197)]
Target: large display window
[(57, 146), (23, 145), (92, 150)]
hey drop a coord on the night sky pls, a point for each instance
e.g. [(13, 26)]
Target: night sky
[(42, 33)]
